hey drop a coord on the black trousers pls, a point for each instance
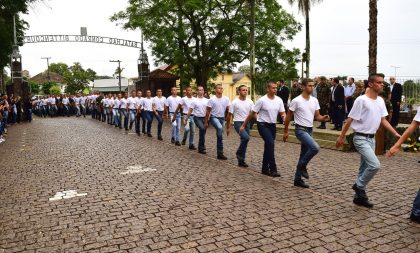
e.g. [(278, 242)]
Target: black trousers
[(395, 114)]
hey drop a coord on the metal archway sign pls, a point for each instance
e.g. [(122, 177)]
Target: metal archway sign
[(80, 38)]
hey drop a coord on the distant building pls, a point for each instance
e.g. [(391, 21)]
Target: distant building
[(43, 77), (110, 85)]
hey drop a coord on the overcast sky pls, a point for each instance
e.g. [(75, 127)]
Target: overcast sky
[(338, 32)]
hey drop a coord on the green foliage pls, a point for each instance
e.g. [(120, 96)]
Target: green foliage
[(35, 87), (9, 8), (411, 91), (60, 68), (55, 90), (77, 78), (46, 87), (204, 36)]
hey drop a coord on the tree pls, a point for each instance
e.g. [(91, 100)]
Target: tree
[(60, 68), (373, 35), (77, 78), (35, 87), (46, 87), (305, 7), (55, 90), (244, 69), (205, 36)]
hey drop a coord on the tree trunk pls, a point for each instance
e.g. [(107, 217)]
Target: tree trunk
[(373, 35), (308, 45), (201, 76), (252, 46)]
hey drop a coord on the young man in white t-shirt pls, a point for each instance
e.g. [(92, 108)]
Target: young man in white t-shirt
[(367, 114), (139, 109), (217, 108), (304, 108), (132, 109), (415, 211), (148, 111), (239, 109), (172, 103), (124, 110), (268, 108), (159, 109), (197, 110), (189, 125), (116, 111)]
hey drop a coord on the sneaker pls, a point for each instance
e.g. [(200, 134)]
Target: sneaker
[(177, 143), (183, 142), (361, 198), (304, 172), (160, 138), (192, 147), (221, 157), (415, 218), (243, 164), (172, 140), (300, 183)]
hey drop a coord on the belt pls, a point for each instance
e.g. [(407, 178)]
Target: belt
[(365, 135), (303, 126)]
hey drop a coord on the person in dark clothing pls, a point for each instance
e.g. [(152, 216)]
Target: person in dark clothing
[(338, 104), (27, 107), (283, 92), (396, 94)]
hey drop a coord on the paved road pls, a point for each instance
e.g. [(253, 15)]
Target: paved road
[(137, 194)]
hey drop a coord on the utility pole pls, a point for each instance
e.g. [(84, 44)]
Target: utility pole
[(119, 72), (395, 70), (48, 66)]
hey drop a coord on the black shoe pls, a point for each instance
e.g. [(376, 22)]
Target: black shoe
[(334, 128), (192, 147), (300, 183), (274, 174), (304, 172), (149, 135), (202, 151), (126, 129), (243, 164), (183, 142), (177, 143), (160, 138), (415, 218), (266, 173), (322, 127), (362, 202), (172, 140), (221, 157)]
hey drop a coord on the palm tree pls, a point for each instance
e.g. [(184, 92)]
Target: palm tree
[(373, 35), (304, 7)]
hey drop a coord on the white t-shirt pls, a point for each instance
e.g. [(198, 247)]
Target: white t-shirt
[(186, 103), (417, 117), (82, 100), (218, 106), (304, 110), (172, 103), (148, 104), (139, 102), (123, 103), (65, 101), (117, 103), (159, 103), (241, 108), (268, 109), (367, 114), (131, 103), (199, 106), (77, 100), (110, 102)]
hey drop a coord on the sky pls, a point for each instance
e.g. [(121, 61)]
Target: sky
[(339, 37)]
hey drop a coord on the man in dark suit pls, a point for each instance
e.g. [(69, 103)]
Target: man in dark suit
[(396, 94), (283, 92), (338, 104)]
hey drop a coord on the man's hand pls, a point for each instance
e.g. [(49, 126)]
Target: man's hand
[(285, 136), (241, 129), (339, 142), (397, 135), (227, 131), (392, 151), (326, 118), (206, 125)]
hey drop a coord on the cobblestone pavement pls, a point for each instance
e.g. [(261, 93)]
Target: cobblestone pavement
[(138, 194)]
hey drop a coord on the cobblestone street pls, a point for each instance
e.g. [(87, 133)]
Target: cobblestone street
[(80, 185)]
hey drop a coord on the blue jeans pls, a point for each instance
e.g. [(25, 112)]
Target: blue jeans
[(218, 123), (149, 118), (416, 205), (241, 152), (308, 148), (191, 130), (1, 128), (116, 114), (5, 118), (369, 163), (29, 115), (66, 110), (267, 131), (160, 122), (124, 113), (199, 122), (175, 129), (83, 109), (94, 111), (132, 116)]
